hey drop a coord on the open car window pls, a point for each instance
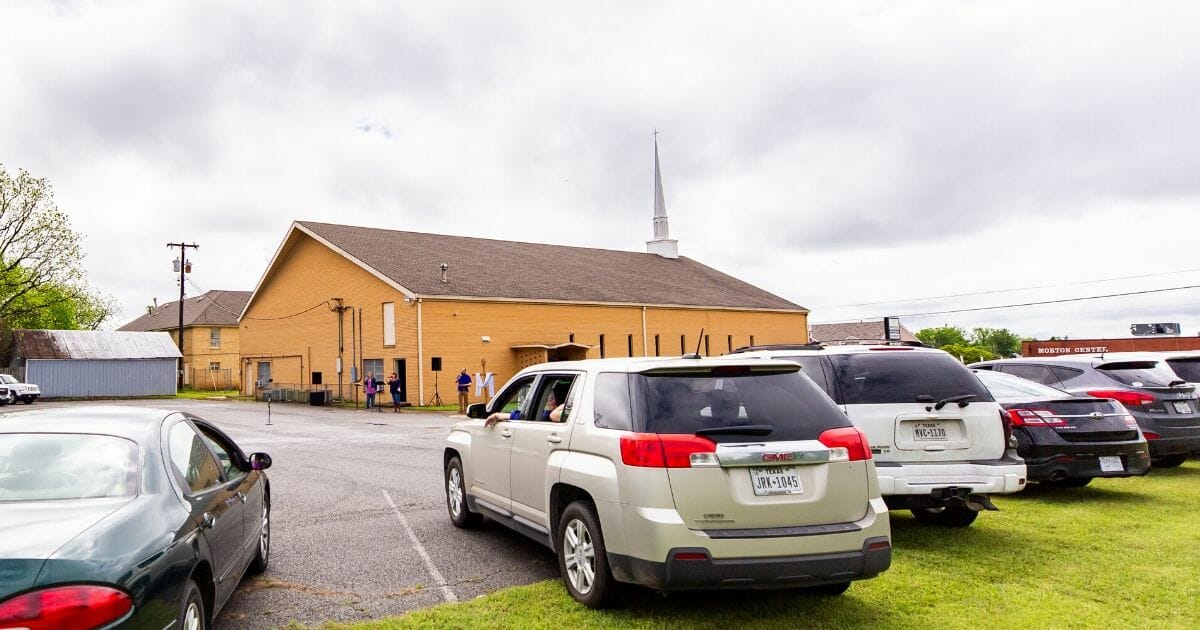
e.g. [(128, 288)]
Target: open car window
[(514, 399), (554, 390)]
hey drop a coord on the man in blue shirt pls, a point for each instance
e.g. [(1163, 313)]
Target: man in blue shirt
[(464, 386)]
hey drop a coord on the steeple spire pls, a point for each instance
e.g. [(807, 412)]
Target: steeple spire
[(663, 244)]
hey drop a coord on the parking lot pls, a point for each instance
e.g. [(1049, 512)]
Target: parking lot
[(359, 526)]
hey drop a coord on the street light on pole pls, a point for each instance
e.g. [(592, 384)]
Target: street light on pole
[(184, 267)]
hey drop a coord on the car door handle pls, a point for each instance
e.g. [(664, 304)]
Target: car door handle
[(506, 434), (241, 497), (207, 521), (553, 438)]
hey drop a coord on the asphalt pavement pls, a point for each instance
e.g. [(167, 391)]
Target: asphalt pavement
[(359, 528)]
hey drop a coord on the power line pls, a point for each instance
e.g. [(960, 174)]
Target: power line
[(1044, 302), (259, 319), (1031, 288)]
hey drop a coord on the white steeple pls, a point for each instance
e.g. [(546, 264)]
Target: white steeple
[(663, 244)]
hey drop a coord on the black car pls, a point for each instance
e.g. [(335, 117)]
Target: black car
[(1164, 405), (125, 517), (1068, 440)]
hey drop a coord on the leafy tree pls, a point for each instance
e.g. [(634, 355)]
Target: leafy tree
[(1000, 341), (969, 354), (42, 280), (942, 336)]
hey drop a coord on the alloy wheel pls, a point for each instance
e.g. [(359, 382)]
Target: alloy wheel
[(191, 617), (579, 555), (264, 537), (454, 491)]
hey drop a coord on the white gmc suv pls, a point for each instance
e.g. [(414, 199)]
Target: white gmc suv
[(941, 443), (676, 473)]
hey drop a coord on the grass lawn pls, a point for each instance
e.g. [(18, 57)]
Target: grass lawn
[(1118, 553)]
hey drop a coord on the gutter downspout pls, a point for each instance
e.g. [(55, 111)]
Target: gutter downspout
[(645, 348), (420, 357)]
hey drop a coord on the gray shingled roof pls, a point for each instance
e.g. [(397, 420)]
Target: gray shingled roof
[(94, 344), (214, 308), (486, 268), (844, 331)]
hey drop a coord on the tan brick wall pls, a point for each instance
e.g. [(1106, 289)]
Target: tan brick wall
[(198, 351), (455, 330)]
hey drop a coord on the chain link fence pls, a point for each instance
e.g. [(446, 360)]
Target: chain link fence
[(211, 380)]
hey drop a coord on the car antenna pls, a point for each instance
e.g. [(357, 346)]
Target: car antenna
[(696, 354)]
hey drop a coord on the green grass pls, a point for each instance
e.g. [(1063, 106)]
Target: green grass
[(209, 393), (1118, 553)]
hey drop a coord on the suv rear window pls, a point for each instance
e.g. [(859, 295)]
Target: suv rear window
[(1139, 373), (902, 377), (1187, 369), (788, 402)]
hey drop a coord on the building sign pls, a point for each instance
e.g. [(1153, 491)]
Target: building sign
[(1155, 329), (1071, 350), (891, 328)]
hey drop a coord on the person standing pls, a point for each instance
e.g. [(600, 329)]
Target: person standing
[(464, 386), (370, 386), (394, 387)]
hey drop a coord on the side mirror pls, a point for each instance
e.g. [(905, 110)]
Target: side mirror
[(477, 411), (260, 461)]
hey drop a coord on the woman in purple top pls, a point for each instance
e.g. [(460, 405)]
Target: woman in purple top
[(370, 386)]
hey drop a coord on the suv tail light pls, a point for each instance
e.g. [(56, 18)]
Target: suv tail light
[(81, 606), (1123, 396), (846, 444), (1038, 417), (1006, 422), (666, 450)]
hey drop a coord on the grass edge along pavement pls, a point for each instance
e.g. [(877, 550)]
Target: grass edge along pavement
[(1117, 553)]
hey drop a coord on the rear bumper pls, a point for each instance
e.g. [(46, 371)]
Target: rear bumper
[(1001, 476), (1173, 445), (1079, 460), (873, 558)]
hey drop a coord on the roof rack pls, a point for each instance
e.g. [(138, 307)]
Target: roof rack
[(779, 346), (873, 342)]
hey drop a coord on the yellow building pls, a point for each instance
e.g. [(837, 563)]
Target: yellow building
[(389, 301), (211, 349)]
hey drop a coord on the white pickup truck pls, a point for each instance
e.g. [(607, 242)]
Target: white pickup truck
[(12, 390)]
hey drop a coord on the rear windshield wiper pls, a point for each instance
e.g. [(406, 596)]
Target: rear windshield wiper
[(961, 399), (1179, 382), (745, 429)]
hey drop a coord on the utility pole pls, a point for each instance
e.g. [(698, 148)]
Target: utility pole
[(183, 267)]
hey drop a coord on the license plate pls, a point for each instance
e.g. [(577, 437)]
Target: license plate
[(775, 480), (1182, 406), (929, 432), (1111, 463)]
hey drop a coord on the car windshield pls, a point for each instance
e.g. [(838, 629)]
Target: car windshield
[(773, 405), (1188, 369), (8, 379), (883, 377), (1006, 387), (1140, 373), (56, 466)]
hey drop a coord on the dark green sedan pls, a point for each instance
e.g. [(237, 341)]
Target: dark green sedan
[(125, 517)]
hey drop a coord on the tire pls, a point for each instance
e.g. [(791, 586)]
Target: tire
[(1069, 482), (263, 555), (456, 497), (953, 515), (28, 400), (191, 609), (582, 558), (1168, 461), (10, 398), (829, 590)]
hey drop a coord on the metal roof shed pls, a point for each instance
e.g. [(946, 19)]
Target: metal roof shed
[(96, 363)]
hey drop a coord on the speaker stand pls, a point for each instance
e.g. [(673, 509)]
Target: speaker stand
[(437, 398)]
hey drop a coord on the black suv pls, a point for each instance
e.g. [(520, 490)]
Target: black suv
[(1164, 405)]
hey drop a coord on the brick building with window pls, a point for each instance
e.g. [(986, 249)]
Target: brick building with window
[(211, 349)]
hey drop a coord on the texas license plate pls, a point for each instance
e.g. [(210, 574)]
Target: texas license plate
[(929, 432), (1182, 406), (775, 480), (1111, 463)]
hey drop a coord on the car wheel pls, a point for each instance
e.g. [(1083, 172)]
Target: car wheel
[(28, 400), (1168, 461), (191, 609), (836, 588), (10, 398), (1069, 482), (456, 496), (946, 516), (259, 564), (582, 559)]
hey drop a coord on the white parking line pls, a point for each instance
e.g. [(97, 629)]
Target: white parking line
[(447, 594)]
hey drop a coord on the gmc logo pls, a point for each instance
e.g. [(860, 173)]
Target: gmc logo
[(778, 457)]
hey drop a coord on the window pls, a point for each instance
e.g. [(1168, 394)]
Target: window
[(49, 467), (192, 460), (389, 324), (513, 399), (571, 337), (224, 454), (752, 340), (214, 366), (656, 350), (214, 337), (601, 346), (611, 404), (682, 344), (729, 342), (558, 386), (903, 377), (706, 351), (373, 365), (629, 339), (1036, 373)]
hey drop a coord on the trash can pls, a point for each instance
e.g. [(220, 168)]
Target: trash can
[(316, 397)]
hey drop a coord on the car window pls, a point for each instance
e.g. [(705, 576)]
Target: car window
[(8, 378), (1036, 373), (513, 398), (224, 453), (553, 390), (1139, 373), (192, 459), (812, 367), (1003, 386), (54, 467), (611, 401), (1064, 374), (903, 377), (1188, 369), (790, 404)]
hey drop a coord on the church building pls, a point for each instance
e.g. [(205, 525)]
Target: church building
[(338, 301)]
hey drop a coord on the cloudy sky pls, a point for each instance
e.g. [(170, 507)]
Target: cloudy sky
[(858, 158)]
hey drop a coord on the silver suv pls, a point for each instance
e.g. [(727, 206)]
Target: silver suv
[(679, 473), (941, 443)]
